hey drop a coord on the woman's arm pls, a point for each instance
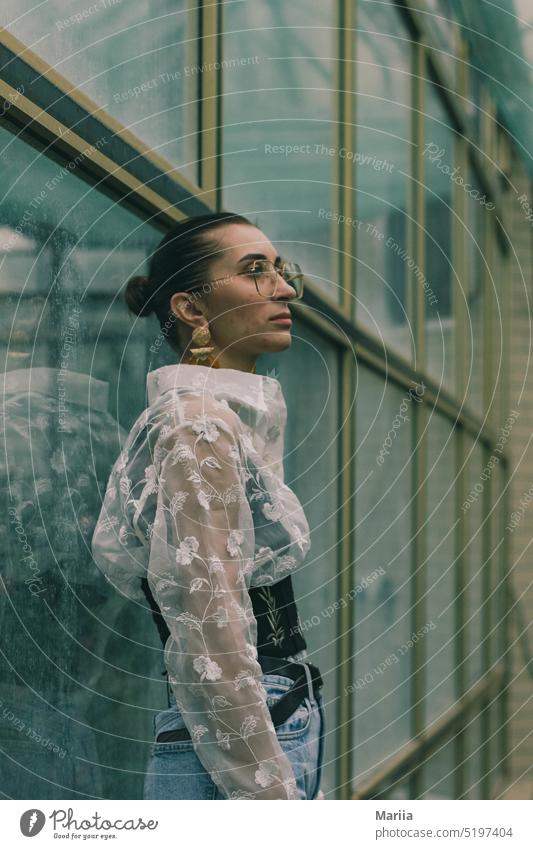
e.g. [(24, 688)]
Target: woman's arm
[(201, 558)]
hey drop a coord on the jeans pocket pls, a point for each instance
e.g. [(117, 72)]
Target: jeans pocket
[(297, 724), (275, 686), (170, 719)]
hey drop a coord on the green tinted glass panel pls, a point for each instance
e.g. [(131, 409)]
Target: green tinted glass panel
[(137, 61), (440, 566), (383, 661), (383, 132), (81, 671), (281, 159), (312, 469)]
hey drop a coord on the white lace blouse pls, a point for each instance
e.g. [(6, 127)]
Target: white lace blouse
[(177, 511)]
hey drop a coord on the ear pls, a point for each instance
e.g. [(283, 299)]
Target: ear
[(190, 310)]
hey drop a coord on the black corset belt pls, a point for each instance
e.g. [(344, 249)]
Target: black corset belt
[(278, 630)]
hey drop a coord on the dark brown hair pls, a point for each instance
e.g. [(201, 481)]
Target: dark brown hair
[(180, 263)]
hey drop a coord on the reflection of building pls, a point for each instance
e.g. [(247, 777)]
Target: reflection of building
[(57, 441), (344, 135)]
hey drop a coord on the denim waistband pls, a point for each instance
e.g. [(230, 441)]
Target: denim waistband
[(306, 668)]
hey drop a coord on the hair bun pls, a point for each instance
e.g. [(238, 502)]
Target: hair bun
[(137, 295)]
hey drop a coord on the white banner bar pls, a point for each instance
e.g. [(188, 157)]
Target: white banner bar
[(357, 824)]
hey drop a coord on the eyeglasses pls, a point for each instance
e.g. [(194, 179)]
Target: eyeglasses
[(266, 276)]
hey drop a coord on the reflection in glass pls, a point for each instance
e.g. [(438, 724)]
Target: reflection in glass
[(474, 565), (494, 286), (494, 742), (497, 596), (57, 441), (438, 772), (82, 668), (440, 566), (383, 111), (383, 656), (439, 21), (474, 102), (439, 147), (138, 61), (311, 469), (473, 758), (399, 791), (280, 154), (475, 220)]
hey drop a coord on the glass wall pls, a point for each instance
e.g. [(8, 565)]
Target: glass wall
[(139, 63), (473, 758), (73, 379), (280, 137), (312, 470), (440, 281), (474, 564), (442, 35), (439, 772), (382, 178), (450, 261), (475, 293), (441, 567), (382, 612)]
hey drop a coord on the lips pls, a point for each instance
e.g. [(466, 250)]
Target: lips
[(285, 315)]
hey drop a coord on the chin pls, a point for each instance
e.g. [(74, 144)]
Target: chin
[(277, 342)]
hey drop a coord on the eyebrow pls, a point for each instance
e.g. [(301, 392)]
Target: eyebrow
[(248, 257)]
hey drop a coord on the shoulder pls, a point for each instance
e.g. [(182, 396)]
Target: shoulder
[(202, 415)]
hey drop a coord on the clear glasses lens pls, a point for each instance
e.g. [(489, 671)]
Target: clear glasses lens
[(266, 277), (293, 275)]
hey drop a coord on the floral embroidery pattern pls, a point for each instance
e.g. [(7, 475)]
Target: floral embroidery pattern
[(190, 506), (273, 616), (207, 668)]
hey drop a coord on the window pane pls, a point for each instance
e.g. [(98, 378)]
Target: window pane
[(438, 773), (280, 154), (383, 132), (137, 61), (474, 101), (383, 646), (82, 666), (475, 294), (440, 536), (438, 154), (494, 291), (311, 469), (474, 568), (499, 529), (494, 744), (400, 791), (72, 249), (442, 29), (473, 754)]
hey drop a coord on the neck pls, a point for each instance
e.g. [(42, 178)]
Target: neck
[(235, 361), (227, 360)]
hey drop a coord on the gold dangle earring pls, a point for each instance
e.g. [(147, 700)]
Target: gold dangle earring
[(201, 336)]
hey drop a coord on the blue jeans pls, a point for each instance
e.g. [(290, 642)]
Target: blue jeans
[(174, 770)]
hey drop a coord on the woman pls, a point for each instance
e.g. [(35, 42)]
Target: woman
[(197, 519)]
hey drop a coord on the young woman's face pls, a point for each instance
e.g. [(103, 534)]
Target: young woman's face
[(240, 319)]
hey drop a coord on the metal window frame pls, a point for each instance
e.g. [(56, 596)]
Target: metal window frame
[(493, 680), (66, 121)]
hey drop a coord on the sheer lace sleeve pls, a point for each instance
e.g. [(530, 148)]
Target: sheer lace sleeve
[(201, 561)]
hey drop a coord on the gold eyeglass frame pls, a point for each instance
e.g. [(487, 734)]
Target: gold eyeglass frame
[(280, 271)]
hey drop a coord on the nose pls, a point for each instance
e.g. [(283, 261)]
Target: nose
[(287, 290)]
